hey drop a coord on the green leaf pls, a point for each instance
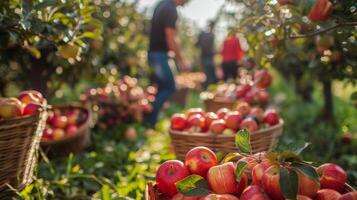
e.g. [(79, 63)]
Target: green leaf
[(193, 185), (105, 192), (289, 156), (242, 141), (307, 170), (240, 169), (91, 35), (298, 147), (354, 96), (288, 183), (45, 4), (231, 156)]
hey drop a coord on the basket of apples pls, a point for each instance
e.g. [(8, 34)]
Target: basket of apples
[(67, 129), (246, 176), (216, 130), (251, 90), (120, 103), (22, 121)]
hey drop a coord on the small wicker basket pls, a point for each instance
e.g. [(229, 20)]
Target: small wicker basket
[(19, 142), (152, 192), (213, 105), (261, 140), (74, 143)]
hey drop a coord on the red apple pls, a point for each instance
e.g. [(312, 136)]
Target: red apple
[(250, 96), (302, 197), (332, 176), (199, 160), (58, 133), (327, 194), (60, 121), (218, 126), (71, 130), (221, 113), (254, 192), (307, 186), (262, 78), (249, 124), (263, 96), (28, 97), (219, 197), (179, 196), (258, 172), (168, 174), (222, 180), (47, 134), (349, 196), (194, 111), (243, 108), (10, 108), (209, 118), (31, 108), (271, 117), (233, 119), (196, 122), (347, 138), (258, 113), (270, 183), (242, 90), (178, 122), (321, 11), (50, 117)]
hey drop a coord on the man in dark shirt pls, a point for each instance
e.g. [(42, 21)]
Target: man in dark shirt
[(205, 43), (162, 40)]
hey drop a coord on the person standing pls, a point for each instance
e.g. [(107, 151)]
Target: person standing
[(232, 55), (205, 43), (162, 40)]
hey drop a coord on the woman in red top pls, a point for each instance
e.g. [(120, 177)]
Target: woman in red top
[(232, 54)]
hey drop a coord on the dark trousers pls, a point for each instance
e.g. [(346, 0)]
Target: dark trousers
[(209, 70), (159, 61), (230, 70)]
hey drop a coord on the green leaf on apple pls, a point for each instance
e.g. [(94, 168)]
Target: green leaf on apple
[(307, 170), (288, 183), (220, 155), (354, 96), (298, 147), (240, 169), (193, 185), (289, 156), (231, 156), (242, 141)]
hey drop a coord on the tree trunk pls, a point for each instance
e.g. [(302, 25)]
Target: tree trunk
[(328, 111)]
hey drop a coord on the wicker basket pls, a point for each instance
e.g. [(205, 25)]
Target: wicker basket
[(152, 193), (213, 105), (74, 143), (261, 140), (180, 96), (19, 142)]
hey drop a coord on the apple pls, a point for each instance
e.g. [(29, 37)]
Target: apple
[(47, 134), (347, 138), (270, 183), (332, 176), (50, 117), (73, 117), (271, 117), (327, 194), (302, 197), (307, 186), (243, 108), (28, 97), (10, 108), (71, 130), (233, 119), (258, 113), (168, 174), (194, 111), (219, 197), (180, 196), (249, 96), (31, 108), (178, 122), (130, 134), (196, 122), (262, 78), (263, 96), (254, 192), (58, 133), (321, 11), (221, 113), (209, 118), (218, 126), (60, 121), (241, 90), (258, 172), (222, 180), (349, 196), (249, 124), (199, 160)]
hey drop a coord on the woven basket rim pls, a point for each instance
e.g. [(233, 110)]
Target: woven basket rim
[(81, 129), (221, 100), (260, 131)]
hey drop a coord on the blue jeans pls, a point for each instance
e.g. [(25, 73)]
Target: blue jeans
[(209, 70), (159, 61)]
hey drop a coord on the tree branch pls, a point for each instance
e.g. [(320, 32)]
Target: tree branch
[(331, 28)]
